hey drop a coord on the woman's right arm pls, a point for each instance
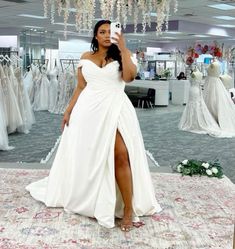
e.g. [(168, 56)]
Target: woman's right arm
[(80, 86)]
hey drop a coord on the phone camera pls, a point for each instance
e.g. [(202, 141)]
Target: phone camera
[(118, 25)]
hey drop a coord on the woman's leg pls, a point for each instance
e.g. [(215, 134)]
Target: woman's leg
[(124, 180)]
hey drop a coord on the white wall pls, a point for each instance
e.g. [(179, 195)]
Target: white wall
[(73, 49), (7, 41)]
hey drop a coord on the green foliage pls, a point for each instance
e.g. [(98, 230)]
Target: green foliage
[(198, 167), (166, 73)]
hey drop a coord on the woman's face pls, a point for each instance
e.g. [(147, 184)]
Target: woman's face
[(103, 35)]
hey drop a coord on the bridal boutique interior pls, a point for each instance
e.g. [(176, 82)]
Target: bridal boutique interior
[(184, 97)]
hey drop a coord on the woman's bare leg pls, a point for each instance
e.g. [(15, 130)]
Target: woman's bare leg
[(124, 180)]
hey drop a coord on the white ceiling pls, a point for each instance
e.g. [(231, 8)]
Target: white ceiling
[(194, 17)]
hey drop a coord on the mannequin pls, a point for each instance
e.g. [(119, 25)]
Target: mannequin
[(218, 100), (196, 117)]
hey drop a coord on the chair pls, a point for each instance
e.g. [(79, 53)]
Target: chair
[(147, 100)]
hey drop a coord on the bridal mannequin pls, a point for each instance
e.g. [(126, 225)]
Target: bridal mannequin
[(218, 100), (196, 117)]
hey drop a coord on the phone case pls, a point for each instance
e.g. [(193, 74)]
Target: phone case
[(115, 27)]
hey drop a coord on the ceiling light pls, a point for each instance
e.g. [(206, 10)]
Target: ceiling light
[(222, 6), (225, 17), (174, 32), (217, 32), (35, 27), (71, 9), (226, 25), (68, 24), (33, 16), (137, 34), (202, 36), (153, 14), (169, 37)]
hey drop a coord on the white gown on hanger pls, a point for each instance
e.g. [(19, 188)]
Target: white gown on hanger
[(41, 99), (196, 117), (82, 178), (12, 107), (24, 103), (3, 126), (53, 89), (218, 100)]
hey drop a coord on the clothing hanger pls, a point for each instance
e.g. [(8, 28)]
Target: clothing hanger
[(1, 58), (7, 58)]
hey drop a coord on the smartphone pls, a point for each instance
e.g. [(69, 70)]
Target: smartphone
[(115, 27)]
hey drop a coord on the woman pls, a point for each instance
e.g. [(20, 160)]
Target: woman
[(100, 169), (181, 76)]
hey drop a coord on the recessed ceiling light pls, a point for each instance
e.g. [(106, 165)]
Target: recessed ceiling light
[(137, 34), (226, 25), (35, 27), (61, 23), (174, 32), (222, 6), (202, 36), (153, 14), (217, 32), (33, 16), (225, 17), (70, 9), (169, 37)]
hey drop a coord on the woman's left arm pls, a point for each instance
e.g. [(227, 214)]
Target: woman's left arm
[(129, 69)]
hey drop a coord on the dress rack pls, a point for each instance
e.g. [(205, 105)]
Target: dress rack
[(65, 63)]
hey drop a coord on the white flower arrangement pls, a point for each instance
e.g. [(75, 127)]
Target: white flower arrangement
[(117, 10), (198, 167)]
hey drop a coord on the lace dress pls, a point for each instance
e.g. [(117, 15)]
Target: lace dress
[(196, 117)]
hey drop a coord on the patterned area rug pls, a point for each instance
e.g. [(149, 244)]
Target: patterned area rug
[(198, 212)]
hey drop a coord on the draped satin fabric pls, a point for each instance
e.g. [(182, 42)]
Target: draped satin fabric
[(82, 178)]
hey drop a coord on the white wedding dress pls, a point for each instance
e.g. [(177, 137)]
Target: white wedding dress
[(41, 98), (3, 125), (53, 89), (82, 178), (218, 100), (196, 117)]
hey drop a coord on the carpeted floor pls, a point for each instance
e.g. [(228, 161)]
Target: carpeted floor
[(36, 145), (198, 213)]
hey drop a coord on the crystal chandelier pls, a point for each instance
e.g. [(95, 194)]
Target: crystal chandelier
[(115, 10)]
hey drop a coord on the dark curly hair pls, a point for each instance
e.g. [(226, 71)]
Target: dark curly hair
[(113, 51)]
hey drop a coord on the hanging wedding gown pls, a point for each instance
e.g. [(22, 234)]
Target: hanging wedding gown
[(218, 100), (82, 178), (196, 117), (41, 98), (3, 125), (24, 103), (12, 108), (53, 89)]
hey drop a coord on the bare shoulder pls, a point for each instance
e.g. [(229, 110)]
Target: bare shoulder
[(86, 55)]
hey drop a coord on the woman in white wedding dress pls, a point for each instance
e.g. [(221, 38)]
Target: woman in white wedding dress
[(100, 169), (218, 100), (196, 117)]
